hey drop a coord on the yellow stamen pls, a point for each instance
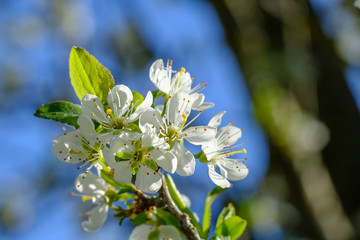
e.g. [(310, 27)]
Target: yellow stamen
[(178, 82), (231, 153), (184, 120), (86, 198), (109, 111)]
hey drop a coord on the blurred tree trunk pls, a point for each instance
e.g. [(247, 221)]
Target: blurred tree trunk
[(297, 82)]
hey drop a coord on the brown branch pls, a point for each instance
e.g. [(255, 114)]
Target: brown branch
[(165, 202)]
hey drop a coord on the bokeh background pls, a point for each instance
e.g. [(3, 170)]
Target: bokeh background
[(286, 71)]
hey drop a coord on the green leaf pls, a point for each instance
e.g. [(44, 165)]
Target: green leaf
[(157, 94), (137, 98), (228, 224), (140, 218), (124, 187), (233, 227), (125, 196), (122, 156), (88, 76), (198, 155), (176, 197), (154, 235), (213, 194), (226, 213), (121, 214), (203, 159), (166, 217), (60, 111), (151, 164)]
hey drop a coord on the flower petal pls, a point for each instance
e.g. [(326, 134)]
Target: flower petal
[(141, 232), (86, 125), (216, 120), (92, 107), (181, 85), (150, 116), (64, 144), (211, 148), (159, 108), (120, 143), (186, 200), (96, 217), (160, 77), (122, 172), (119, 99), (204, 106), (228, 135), (197, 99), (232, 169), (177, 106), (217, 178), (199, 135), (147, 180), (130, 136), (169, 232), (149, 138), (109, 156), (148, 135), (90, 184), (146, 104), (164, 159), (185, 160)]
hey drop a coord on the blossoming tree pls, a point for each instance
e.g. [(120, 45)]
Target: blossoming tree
[(128, 148)]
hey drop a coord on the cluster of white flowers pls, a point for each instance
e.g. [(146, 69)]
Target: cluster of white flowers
[(136, 140)]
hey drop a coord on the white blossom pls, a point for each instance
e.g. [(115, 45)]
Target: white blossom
[(173, 127), (93, 187), (219, 149), (168, 83), (141, 157), (82, 146), (142, 232), (121, 111)]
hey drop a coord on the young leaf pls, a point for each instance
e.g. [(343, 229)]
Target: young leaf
[(122, 156), (60, 111), (121, 214), (88, 76), (228, 224), (140, 219), (125, 196), (137, 98), (154, 235), (226, 213), (157, 94), (207, 211), (151, 164), (234, 227)]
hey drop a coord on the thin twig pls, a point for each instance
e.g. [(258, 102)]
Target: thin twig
[(165, 202), (183, 219)]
